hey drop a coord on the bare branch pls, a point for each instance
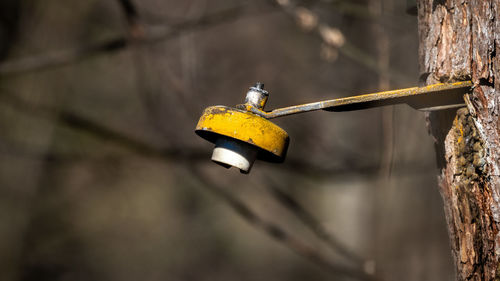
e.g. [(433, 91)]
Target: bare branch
[(75, 121), (146, 90), (310, 221), (129, 10), (335, 40), (135, 28), (278, 233), (60, 58), (152, 35)]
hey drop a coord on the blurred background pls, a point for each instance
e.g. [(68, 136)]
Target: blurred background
[(103, 178)]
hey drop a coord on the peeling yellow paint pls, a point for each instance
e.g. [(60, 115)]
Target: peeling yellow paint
[(243, 126)]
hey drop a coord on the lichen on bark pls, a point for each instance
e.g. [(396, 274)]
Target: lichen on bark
[(464, 183), (468, 149)]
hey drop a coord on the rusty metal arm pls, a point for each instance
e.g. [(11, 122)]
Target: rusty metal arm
[(432, 97)]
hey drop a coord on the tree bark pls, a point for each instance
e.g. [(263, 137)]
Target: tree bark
[(460, 40)]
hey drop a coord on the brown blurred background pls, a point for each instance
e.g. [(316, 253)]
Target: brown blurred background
[(103, 178)]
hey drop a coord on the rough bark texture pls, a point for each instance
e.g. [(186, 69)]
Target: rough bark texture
[(459, 40)]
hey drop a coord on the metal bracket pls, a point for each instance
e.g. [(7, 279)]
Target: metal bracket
[(428, 98), (243, 134)]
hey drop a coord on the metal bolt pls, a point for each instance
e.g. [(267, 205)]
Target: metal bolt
[(259, 85), (257, 96)]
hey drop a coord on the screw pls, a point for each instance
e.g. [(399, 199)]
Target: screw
[(257, 96), (259, 87)]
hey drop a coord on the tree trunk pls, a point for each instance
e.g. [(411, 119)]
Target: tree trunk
[(460, 40)]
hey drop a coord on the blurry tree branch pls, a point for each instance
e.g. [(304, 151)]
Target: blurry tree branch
[(334, 40), (312, 223), (129, 10), (61, 57), (278, 233), (96, 129), (152, 35), (378, 9), (146, 89)]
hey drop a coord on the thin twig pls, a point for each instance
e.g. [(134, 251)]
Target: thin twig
[(278, 233), (145, 88), (381, 190), (310, 221), (61, 58), (346, 48), (130, 10), (152, 35), (96, 129), (135, 27)]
